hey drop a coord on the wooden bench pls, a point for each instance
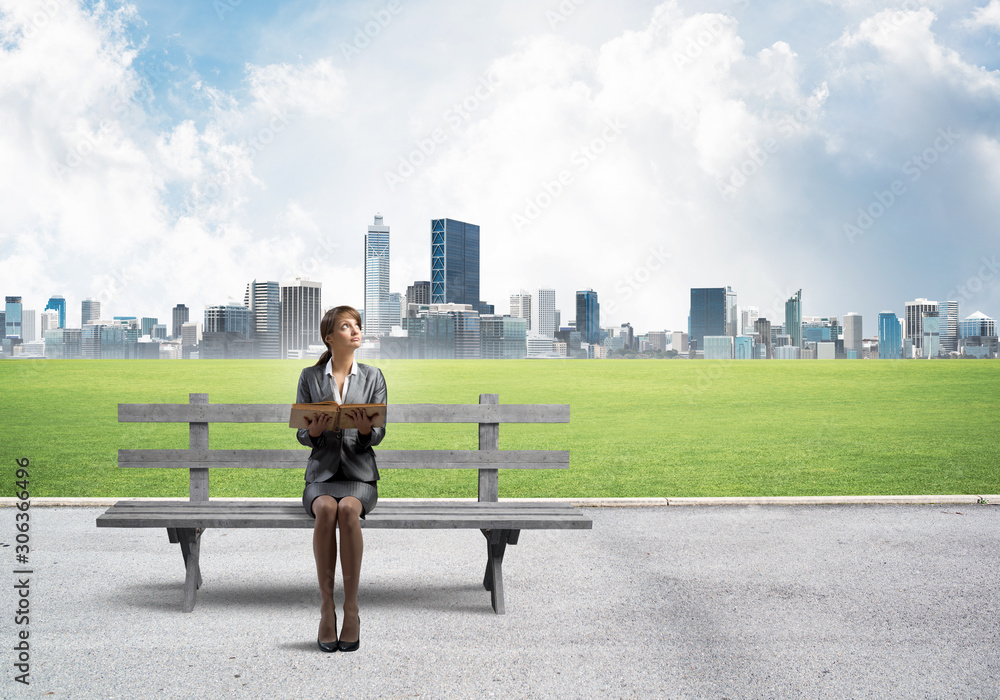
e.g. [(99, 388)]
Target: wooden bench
[(500, 522)]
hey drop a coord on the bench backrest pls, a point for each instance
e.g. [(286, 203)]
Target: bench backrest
[(489, 413)]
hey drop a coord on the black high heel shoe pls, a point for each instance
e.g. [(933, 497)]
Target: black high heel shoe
[(329, 647), (351, 646)]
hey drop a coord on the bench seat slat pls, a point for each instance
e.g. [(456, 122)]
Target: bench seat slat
[(395, 413), (185, 509), (430, 515), (387, 459)]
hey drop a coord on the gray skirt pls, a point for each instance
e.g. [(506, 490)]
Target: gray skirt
[(364, 491)]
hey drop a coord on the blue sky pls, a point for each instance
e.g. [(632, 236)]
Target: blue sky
[(171, 152)]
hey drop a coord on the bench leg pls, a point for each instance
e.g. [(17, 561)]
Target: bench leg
[(190, 541), (496, 545)]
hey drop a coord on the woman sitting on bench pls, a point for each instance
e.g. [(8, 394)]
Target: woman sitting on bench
[(341, 475)]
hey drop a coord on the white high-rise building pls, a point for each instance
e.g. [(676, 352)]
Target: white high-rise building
[(301, 312), (378, 314), (190, 333), (545, 313), (853, 333), (520, 306), (89, 310), (50, 321), (914, 324), (29, 328), (264, 301), (948, 313), (679, 341), (748, 317), (732, 314)]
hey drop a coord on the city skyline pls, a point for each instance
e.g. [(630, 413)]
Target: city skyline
[(640, 149)]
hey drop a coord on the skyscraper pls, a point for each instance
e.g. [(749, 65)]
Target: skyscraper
[(546, 313), (89, 310), (301, 312), (890, 336), (762, 327), (948, 313), (732, 314), (914, 320), (12, 319), (180, 317), (263, 299), (454, 262), (977, 324), (395, 309), (708, 315), (588, 316), (520, 306), (853, 334), (793, 318), (930, 325), (57, 303), (748, 319), (50, 321), (228, 318), (378, 316), (419, 293), (29, 328)]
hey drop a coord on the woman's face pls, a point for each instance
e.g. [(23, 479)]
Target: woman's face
[(346, 335)]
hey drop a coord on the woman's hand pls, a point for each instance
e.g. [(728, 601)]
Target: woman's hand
[(317, 423), (362, 420)]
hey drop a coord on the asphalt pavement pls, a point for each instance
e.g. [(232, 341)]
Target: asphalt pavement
[(820, 601)]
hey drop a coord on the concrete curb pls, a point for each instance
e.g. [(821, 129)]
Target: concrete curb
[(56, 501)]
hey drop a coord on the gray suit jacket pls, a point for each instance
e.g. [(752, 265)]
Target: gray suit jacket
[(348, 449)]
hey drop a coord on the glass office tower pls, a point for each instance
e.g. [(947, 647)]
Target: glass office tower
[(793, 318), (12, 320), (378, 316), (977, 324), (890, 336), (454, 262), (588, 316), (58, 303), (708, 314)]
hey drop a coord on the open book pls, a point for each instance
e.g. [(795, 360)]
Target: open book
[(339, 412)]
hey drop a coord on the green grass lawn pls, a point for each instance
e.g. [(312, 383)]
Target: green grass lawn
[(638, 427)]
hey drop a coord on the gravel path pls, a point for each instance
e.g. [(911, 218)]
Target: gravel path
[(717, 602)]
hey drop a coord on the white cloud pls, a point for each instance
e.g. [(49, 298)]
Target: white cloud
[(987, 17), (614, 146), (315, 90)]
